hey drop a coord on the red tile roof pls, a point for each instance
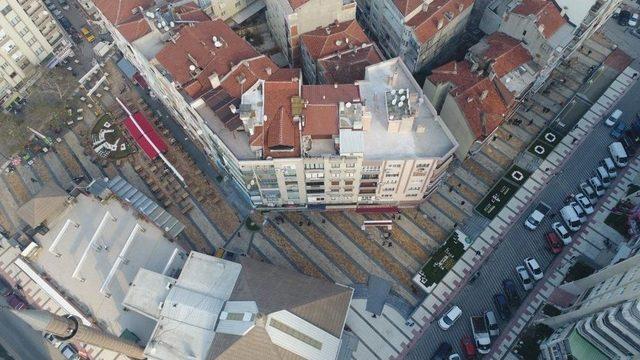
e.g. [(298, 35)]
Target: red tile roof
[(297, 3), (330, 94), (121, 11), (546, 13), (618, 60), (349, 66), (246, 74), (321, 109), (195, 43), (134, 29), (280, 131), (505, 53), (407, 6), (334, 38), (480, 98), (425, 23)]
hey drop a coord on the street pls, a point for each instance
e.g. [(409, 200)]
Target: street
[(519, 242)]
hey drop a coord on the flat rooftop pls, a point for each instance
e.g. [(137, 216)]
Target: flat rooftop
[(105, 244), (435, 142)]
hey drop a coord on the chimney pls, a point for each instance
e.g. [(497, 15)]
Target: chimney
[(335, 85), (268, 70), (440, 23), (484, 94), (541, 28), (460, 7), (214, 80), (393, 78), (563, 12)]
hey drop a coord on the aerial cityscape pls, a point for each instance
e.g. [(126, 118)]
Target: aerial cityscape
[(319, 179)]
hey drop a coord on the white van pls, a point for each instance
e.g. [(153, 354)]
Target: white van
[(570, 218), (613, 118), (618, 154), (603, 175)]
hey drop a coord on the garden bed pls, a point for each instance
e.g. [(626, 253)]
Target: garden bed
[(442, 261), (111, 134), (578, 271), (496, 199), (528, 345), (545, 143)]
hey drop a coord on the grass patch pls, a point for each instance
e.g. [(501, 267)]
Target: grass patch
[(517, 175), (496, 199), (528, 345), (578, 271), (540, 149), (442, 261), (113, 137)]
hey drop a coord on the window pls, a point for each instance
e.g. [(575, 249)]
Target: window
[(24, 31), (335, 165), (14, 20), (524, 33), (237, 5), (351, 165), (39, 50), (6, 10), (348, 182)]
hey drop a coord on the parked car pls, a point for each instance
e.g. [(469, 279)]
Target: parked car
[(618, 130), (584, 203), (502, 305), (603, 174), (87, 34), (443, 351), (69, 352), (633, 21), (454, 356), (16, 302), (554, 244), (449, 318), (492, 323), (468, 347), (582, 216), (610, 166), (623, 18), (534, 268), (589, 192), (613, 118), (619, 154), (562, 232), (511, 292), (537, 216), (525, 278), (570, 218), (596, 184), (616, 12)]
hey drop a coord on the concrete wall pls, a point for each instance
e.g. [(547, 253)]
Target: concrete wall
[(226, 9)]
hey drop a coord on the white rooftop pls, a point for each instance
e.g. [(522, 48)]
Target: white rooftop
[(576, 10), (94, 250), (435, 142)]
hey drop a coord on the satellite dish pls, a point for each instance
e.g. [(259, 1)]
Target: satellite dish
[(400, 104), (217, 44), (215, 39), (172, 24), (192, 68), (393, 91), (401, 91), (348, 105), (403, 98), (393, 102)]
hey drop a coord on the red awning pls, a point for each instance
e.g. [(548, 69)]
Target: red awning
[(141, 140), (377, 209), (140, 80)]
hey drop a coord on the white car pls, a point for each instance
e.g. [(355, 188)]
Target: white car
[(610, 166), (596, 184), (633, 20), (584, 203), (449, 318), (562, 232), (579, 211), (525, 279), (534, 268), (589, 192)]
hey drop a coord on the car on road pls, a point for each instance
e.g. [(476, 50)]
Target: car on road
[(633, 20), (16, 302), (87, 34), (502, 306), (616, 12), (5, 288), (449, 318), (492, 323), (596, 184), (589, 192), (618, 130), (443, 351), (511, 292), (582, 216), (525, 278), (58, 14), (623, 18), (534, 268), (468, 348), (613, 118), (537, 216), (562, 232), (610, 166), (584, 203), (554, 244)]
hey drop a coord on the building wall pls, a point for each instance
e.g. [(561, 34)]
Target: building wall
[(29, 36), (225, 9)]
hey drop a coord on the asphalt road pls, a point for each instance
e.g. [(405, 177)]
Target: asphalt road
[(520, 243), (22, 342)]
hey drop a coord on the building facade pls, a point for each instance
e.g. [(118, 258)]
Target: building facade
[(288, 19), (281, 143), (419, 32), (29, 38), (604, 320)]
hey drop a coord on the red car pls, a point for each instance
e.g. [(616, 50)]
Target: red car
[(554, 244), (468, 347), (16, 302)]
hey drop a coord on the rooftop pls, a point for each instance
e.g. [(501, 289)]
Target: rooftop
[(438, 14), (547, 15), (93, 251), (427, 136), (244, 310), (334, 38), (349, 66)]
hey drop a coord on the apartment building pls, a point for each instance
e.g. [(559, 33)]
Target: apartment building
[(284, 144), (337, 53), (289, 19), (603, 321), (474, 96), (231, 11), (31, 39), (419, 32)]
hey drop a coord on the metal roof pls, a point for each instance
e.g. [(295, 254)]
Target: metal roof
[(141, 202)]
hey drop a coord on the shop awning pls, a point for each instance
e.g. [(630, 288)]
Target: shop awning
[(138, 136)]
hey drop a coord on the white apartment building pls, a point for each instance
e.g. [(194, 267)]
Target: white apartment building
[(288, 19), (604, 320), (29, 38), (416, 31), (285, 145)]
